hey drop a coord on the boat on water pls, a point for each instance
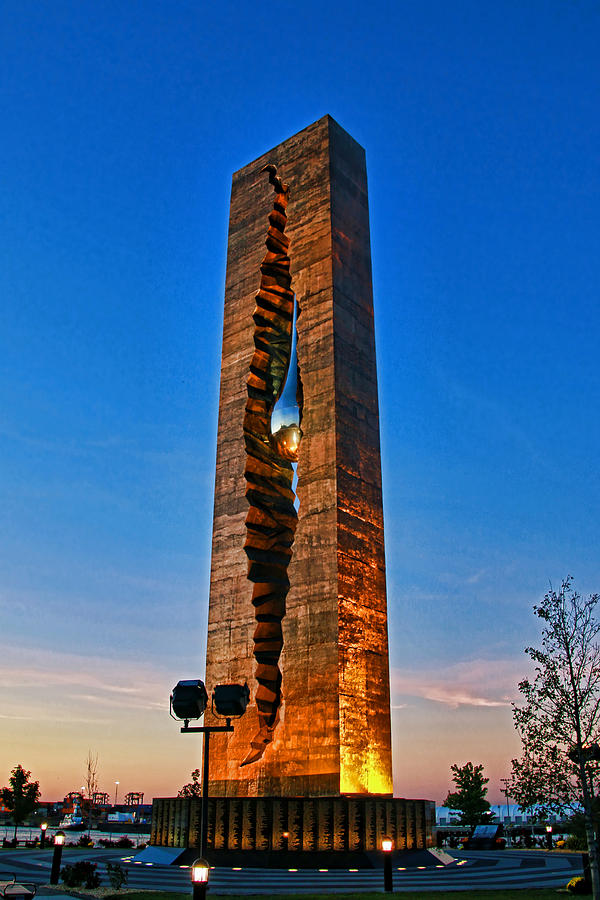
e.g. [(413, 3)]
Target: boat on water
[(71, 822)]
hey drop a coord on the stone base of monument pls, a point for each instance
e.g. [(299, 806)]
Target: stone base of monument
[(312, 832)]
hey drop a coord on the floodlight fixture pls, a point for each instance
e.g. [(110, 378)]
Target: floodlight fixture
[(188, 700), (231, 700)]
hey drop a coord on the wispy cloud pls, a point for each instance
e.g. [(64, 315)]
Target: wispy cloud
[(52, 680), (476, 682)]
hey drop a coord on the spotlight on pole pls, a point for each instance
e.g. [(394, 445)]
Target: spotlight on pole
[(387, 845), (188, 700), (59, 840), (199, 872), (231, 700)]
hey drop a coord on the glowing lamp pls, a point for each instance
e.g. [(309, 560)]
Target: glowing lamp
[(43, 826), (549, 829), (231, 700), (189, 699), (59, 839), (387, 844), (199, 871)]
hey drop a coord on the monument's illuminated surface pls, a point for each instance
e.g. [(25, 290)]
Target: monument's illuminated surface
[(333, 735)]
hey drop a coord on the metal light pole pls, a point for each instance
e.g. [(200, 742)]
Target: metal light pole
[(188, 701), (59, 839), (116, 791), (206, 731)]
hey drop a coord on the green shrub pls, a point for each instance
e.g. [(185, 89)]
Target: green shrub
[(124, 842), (81, 873), (117, 875), (579, 885), (576, 842)]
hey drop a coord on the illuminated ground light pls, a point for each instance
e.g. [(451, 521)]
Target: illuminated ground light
[(292, 870), (236, 868)]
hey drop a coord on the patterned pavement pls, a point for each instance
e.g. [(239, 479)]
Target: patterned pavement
[(493, 870)]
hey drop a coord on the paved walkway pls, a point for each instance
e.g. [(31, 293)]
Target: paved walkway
[(495, 870)]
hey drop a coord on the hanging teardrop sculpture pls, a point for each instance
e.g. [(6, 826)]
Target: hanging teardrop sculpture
[(285, 433)]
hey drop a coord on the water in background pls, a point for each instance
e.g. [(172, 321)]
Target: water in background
[(25, 833)]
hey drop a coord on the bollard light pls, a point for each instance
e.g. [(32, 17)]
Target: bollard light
[(43, 826), (59, 839), (199, 871), (549, 837), (387, 845)]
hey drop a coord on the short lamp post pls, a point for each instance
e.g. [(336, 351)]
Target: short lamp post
[(199, 872), (43, 826), (387, 845), (549, 837), (59, 840)]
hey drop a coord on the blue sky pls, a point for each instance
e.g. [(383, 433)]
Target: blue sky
[(122, 126)]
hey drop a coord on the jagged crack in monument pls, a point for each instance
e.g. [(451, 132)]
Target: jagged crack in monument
[(272, 436), (332, 744)]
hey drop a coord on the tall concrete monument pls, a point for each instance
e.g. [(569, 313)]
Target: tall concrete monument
[(297, 603), (333, 734)]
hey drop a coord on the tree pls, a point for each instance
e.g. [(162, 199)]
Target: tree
[(469, 799), (91, 783), (22, 795), (193, 788), (559, 719)]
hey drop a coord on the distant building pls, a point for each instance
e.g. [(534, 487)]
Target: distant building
[(502, 813)]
